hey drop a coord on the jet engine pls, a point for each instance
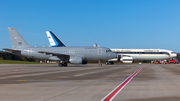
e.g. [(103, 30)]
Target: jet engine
[(77, 60), (126, 59)]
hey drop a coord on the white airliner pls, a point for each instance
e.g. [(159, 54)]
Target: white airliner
[(128, 55), (124, 55)]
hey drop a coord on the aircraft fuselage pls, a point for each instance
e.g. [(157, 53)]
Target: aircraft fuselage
[(87, 53)]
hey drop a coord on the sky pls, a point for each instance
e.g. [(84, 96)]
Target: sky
[(127, 24)]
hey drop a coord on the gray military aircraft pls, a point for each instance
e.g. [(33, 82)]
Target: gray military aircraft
[(74, 55)]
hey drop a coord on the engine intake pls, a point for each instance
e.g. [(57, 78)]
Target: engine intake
[(126, 59)]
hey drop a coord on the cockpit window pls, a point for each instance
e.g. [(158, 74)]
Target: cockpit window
[(173, 53), (108, 50)]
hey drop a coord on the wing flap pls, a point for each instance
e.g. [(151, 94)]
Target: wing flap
[(54, 54)]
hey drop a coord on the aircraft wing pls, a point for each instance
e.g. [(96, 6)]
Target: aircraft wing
[(60, 56)]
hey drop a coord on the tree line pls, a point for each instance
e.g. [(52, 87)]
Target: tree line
[(9, 56)]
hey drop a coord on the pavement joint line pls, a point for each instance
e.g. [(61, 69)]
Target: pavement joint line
[(14, 76), (94, 72), (114, 92), (172, 81)]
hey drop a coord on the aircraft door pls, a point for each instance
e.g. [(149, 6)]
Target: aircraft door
[(99, 51), (29, 51)]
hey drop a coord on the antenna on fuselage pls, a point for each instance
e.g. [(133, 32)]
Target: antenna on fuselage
[(95, 45)]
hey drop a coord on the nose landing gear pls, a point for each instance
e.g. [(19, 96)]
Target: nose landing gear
[(100, 65)]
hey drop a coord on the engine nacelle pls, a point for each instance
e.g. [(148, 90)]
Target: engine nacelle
[(126, 59), (75, 60)]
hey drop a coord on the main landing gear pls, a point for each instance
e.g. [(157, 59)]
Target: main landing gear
[(62, 64), (109, 63)]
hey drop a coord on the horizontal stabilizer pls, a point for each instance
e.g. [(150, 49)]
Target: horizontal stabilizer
[(11, 50), (17, 52)]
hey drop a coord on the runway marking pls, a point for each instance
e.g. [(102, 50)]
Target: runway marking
[(27, 80), (22, 80), (115, 91)]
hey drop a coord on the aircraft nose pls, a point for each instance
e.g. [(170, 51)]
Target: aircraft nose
[(114, 55), (174, 55)]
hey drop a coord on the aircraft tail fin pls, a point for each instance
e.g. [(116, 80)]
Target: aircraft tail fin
[(16, 40), (53, 40)]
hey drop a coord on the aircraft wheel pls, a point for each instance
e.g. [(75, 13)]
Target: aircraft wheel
[(65, 64), (111, 62), (60, 64)]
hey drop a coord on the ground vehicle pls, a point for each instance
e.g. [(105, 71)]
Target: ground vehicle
[(171, 62)]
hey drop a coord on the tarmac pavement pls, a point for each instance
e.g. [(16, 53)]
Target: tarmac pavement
[(39, 82)]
